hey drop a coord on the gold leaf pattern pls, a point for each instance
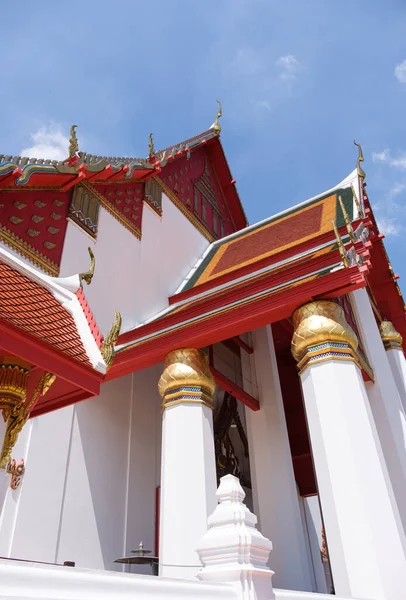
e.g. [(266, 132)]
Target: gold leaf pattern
[(32, 232), (15, 220), (53, 230), (58, 202), (55, 216), (37, 218), (40, 204), (49, 245), (19, 205)]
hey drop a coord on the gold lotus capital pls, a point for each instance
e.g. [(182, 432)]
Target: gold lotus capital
[(187, 367), (319, 322)]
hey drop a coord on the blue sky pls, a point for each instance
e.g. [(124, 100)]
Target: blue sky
[(299, 80)]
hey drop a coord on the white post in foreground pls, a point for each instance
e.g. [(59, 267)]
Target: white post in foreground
[(365, 537), (232, 550), (188, 471), (392, 340)]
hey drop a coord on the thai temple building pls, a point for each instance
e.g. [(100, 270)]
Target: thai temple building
[(154, 344)]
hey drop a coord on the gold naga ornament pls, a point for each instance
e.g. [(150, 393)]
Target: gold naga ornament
[(151, 147), (73, 142), (88, 276), (107, 348), (360, 159), (216, 125)]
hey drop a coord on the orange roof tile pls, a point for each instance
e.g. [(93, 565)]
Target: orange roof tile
[(30, 307)]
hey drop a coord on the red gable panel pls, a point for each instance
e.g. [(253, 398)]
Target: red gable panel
[(193, 180), (38, 219)]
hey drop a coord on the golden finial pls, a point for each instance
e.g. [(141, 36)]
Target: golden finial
[(340, 244), (359, 209), (216, 126), (88, 276), (151, 148), (347, 220), (109, 342), (360, 159), (73, 142)]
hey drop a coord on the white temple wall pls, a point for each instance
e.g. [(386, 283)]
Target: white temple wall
[(93, 519), (88, 494), (170, 247), (117, 253), (133, 276), (29, 522), (144, 461)]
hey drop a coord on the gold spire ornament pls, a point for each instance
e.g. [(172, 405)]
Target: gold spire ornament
[(151, 147), (360, 159), (216, 125), (340, 244), (73, 142), (347, 220), (88, 276), (19, 415), (109, 342)]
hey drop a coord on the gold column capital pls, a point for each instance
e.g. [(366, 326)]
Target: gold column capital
[(322, 333), (390, 337), (186, 378), (14, 374), (16, 408)]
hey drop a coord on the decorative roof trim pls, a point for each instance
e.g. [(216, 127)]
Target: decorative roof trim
[(30, 253), (191, 217), (68, 300), (110, 208)]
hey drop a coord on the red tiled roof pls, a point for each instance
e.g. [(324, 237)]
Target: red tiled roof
[(34, 309)]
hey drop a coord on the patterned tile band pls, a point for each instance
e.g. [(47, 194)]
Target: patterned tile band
[(327, 351), (187, 394), (392, 345)]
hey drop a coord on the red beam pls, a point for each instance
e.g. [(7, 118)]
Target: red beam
[(242, 344), (234, 389), (268, 308)]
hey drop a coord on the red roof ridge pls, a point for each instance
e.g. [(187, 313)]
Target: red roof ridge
[(98, 337)]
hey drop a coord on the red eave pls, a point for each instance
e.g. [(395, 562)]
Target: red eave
[(268, 308), (382, 282), (17, 342)]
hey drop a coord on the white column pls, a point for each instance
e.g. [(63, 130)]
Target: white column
[(392, 341), (188, 471), (390, 418), (366, 541), (273, 482)]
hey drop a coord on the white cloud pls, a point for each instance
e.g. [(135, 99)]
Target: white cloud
[(388, 226), (385, 156), (400, 72), (48, 142), (263, 105), (247, 62), (288, 65)]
